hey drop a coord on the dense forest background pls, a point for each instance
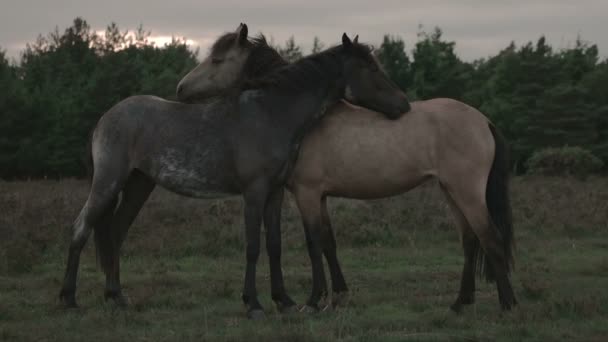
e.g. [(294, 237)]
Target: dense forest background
[(51, 98)]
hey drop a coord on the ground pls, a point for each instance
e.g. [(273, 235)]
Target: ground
[(183, 266)]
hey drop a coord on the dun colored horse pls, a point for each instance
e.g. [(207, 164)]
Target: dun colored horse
[(242, 143), (357, 153)]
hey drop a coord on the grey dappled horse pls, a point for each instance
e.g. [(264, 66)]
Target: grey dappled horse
[(242, 143), (357, 153)]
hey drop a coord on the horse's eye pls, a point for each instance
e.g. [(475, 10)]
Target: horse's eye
[(216, 60)]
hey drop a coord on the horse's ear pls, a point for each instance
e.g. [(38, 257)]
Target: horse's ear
[(241, 34), (356, 40), (346, 41)]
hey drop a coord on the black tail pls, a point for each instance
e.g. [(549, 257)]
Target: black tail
[(499, 205)]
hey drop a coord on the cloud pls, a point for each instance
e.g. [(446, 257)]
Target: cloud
[(479, 27)]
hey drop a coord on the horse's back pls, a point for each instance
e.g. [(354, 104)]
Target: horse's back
[(183, 147), (355, 152)]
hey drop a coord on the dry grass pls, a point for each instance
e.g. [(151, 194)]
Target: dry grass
[(183, 267)]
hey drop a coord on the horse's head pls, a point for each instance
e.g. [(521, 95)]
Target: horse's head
[(367, 85), (221, 69)]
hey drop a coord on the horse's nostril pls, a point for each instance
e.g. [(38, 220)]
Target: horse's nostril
[(180, 88)]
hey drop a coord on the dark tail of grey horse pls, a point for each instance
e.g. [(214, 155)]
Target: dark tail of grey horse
[(499, 207), (105, 244)]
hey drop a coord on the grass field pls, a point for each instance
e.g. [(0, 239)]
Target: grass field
[(183, 265)]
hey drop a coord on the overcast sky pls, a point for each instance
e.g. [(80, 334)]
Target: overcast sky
[(479, 27)]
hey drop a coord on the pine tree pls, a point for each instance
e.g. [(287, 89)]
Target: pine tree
[(395, 61), (317, 45), (437, 71), (291, 52)]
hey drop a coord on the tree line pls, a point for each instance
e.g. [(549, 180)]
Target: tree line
[(51, 98)]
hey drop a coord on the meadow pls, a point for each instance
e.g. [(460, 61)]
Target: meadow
[(183, 265)]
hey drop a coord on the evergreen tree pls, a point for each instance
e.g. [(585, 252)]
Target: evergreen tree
[(395, 61), (595, 84), (291, 52), (437, 71), (317, 45), (14, 122), (65, 81)]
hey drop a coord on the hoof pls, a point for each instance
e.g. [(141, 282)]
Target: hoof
[(256, 314), (507, 306), (285, 304), (68, 299), (339, 299), (118, 299), (461, 301), (456, 307)]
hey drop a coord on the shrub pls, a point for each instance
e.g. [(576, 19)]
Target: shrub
[(564, 161)]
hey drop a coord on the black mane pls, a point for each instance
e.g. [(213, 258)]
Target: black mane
[(306, 71), (265, 68), (263, 59)]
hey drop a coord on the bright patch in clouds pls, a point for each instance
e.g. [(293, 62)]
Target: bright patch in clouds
[(158, 41), (202, 43), (480, 28), (163, 40)]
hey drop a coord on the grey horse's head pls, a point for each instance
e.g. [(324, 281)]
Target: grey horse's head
[(221, 69)]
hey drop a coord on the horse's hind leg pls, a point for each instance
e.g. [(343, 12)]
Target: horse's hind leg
[(135, 193), (470, 246), (338, 284), (98, 207), (309, 203), (474, 208)]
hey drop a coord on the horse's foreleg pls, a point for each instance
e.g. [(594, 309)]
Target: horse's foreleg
[(338, 284), (135, 193), (309, 203), (272, 222), (255, 199)]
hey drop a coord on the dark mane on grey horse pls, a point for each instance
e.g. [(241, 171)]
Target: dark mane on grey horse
[(308, 70), (262, 60)]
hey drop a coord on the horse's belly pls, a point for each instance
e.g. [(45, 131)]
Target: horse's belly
[(194, 187), (351, 183), (199, 177), (344, 175)]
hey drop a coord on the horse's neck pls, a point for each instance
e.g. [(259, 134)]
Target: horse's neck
[(306, 106), (298, 100)]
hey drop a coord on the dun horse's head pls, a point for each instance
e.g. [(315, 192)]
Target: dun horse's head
[(220, 70), (367, 85)]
